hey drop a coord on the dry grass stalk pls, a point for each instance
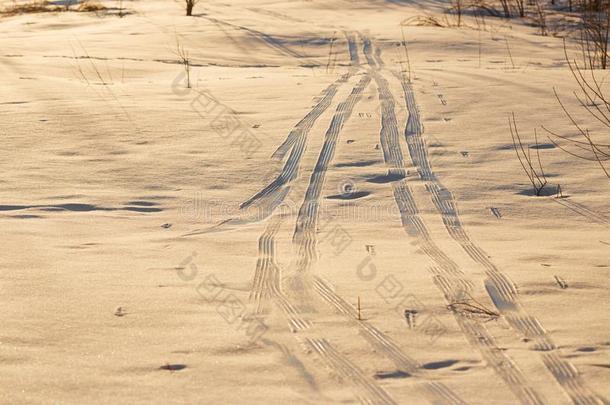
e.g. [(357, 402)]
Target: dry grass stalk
[(594, 101), (510, 54), (561, 282), (471, 307), (426, 21), (183, 55), (520, 5), (90, 5), (404, 46), (332, 56), (482, 5), (595, 33), (540, 18), (29, 8), (532, 167), (505, 8), (457, 7), (44, 6)]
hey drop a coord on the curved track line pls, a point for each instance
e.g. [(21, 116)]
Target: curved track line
[(272, 196), (305, 238), (296, 142), (266, 284)]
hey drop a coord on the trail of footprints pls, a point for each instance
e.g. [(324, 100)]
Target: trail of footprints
[(267, 285)]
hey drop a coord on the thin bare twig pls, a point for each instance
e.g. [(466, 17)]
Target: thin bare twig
[(535, 174)]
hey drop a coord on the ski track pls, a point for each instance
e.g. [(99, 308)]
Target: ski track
[(584, 211), (380, 342), (297, 138), (447, 275), (267, 278), (305, 238), (305, 231), (294, 135), (296, 143), (372, 393), (267, 39), (500, 288), (266, 282)]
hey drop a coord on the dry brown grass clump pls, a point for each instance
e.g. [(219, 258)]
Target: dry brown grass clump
[(467, 305), (43, 6), (90, 6), (532, 166), (30, 7), (426, 21)]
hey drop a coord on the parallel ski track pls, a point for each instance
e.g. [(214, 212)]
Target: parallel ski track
[(267, 39), (296, 141), (305, 238), (383, 344), (501, 289), (267, 278), (584, 211), (447, 274), (372, 393), (305, 231)]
